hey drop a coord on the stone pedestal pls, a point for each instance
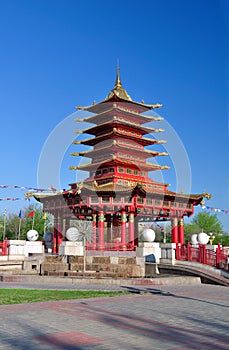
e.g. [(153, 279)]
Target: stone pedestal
[(168, 252), (25, 248), (150, 250), (72, 248), (33, 247), (16, 247)]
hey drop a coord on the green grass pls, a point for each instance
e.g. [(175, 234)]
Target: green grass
[(20, 296)]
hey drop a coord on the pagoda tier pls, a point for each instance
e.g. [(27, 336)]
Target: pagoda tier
[(114, 147), (118, 94), (118, 132), (117, 162), (116, 123), (119, 110)]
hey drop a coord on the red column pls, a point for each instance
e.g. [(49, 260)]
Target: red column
[(123, 229), (218, 253), (174, 230), (136, 232), (109, 229), (55, 235), (181, 231), (101, 230), (94, 217), (59, 234), (131, 229)]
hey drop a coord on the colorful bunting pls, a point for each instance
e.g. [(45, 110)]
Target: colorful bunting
[(14, 199), (216, 210), (30, 188), (26, 198)]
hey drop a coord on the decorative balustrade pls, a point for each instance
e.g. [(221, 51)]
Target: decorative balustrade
[(201, 254), (116, 246)]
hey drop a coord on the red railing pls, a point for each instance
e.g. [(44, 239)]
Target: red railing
[(218, 258), (110, 246), (4, 247)]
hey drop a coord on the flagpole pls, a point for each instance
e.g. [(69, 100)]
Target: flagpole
[(44, 218), (4, 225), (19, 229), (4, 228), (33, 221)]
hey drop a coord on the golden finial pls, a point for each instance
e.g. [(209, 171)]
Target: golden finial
[(118, 83)]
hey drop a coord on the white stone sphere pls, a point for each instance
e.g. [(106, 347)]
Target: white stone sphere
[(193, 239), (202, 238), (73, 234), (148, 235), (32, 235)]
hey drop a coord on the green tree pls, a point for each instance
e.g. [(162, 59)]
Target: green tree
[(225, 239), (189, 230), (206, 222), (13, 221)]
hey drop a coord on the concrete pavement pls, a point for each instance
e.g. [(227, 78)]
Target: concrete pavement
[(168, 317)]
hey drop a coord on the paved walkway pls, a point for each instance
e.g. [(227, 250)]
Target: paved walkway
[(166, 318)]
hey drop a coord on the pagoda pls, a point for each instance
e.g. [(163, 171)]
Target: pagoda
[(118, 193)]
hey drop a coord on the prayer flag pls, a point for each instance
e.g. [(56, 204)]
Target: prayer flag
[(31, 214), (20, 214), (45, 216)]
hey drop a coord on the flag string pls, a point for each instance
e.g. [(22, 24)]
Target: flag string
[(30, 188), (216, 210), (14, 199)]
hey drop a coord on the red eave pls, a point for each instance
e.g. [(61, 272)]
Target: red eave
[(115, 133), (103, 105)]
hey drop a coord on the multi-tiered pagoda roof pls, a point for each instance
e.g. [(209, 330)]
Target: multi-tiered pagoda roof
[(118, 155)]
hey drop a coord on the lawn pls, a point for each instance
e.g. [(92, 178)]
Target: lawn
[(20, 296)]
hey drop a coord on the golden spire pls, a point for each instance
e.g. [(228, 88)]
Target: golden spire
[(118, 90), (118, 83)]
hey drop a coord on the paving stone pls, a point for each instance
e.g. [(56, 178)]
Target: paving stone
[(166, 317)]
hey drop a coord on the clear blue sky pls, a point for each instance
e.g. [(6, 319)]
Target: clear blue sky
[(56, 54)]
